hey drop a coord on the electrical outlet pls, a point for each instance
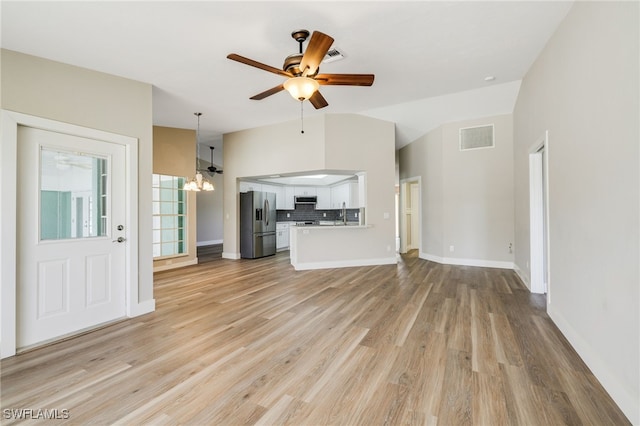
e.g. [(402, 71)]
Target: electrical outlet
[(356, 215), (324, 215), (451, 248), (388, 248), (288, 214)]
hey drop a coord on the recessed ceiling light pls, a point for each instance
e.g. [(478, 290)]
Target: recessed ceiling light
[(489, 78)]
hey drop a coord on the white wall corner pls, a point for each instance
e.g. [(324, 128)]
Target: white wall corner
[(623, 396), (523, 277), (232, 256)]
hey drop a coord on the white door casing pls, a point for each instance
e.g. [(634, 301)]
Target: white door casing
[(68, 282), (9, 185), (539, 217)]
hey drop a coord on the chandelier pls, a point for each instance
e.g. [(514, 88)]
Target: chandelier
[(198, 182)]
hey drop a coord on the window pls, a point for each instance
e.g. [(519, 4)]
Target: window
[(73, 195), (169, 216)]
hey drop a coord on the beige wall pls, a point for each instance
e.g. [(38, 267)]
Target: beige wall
[(79, 96), (583, 89), (267, 150), (330, 142), (174, 154), (467, 196), (423, 158)]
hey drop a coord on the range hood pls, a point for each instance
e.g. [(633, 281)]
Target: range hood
[(305, 199)]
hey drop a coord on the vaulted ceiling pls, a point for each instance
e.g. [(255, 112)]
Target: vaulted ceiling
[(430, 58)]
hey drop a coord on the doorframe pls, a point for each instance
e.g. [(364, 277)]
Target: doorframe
[(402, 213), (539, 217), (9, 122)]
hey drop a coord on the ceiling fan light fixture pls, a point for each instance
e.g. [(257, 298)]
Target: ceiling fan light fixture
[(301, 88)]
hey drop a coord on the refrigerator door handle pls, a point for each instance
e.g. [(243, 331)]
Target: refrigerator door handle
[(266, 209)]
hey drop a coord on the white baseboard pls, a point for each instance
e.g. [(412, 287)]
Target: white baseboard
[(302, 266), (468, 262), (175, 265), (208, 243), (523, 277), (142, 308), (620, 393), (232, 256)]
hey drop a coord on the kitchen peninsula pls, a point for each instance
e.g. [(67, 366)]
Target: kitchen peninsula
[(331, 144)]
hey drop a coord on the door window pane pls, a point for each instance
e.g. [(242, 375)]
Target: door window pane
[(73, 195)]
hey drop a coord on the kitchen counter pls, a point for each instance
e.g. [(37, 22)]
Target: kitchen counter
[(328, 224), (333, 246)]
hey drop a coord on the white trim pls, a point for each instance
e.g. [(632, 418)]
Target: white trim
[(232, 256), (175, 265), (467, 262), (402, 212), (9, 122), (344, 263), (523, 277), (539, 215), (208, 243), (622, 395)]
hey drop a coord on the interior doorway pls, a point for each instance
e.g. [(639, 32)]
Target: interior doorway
[(410, 215), (539, 216)]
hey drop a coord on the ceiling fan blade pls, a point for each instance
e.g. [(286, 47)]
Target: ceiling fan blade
[(316, 50), (345, 79), (257, 64), (266, 93), (317, 100)]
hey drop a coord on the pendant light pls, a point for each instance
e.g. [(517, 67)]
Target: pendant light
[(198, 183)]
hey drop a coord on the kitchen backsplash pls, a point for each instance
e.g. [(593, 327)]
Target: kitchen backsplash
[(308, 212)]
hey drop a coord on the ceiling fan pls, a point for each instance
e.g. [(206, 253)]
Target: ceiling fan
[(212, 168), (302, 70)]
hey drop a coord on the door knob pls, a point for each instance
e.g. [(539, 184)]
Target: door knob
[(119, 240)]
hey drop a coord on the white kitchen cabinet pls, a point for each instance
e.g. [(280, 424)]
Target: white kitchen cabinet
[(289, 193), (282, 235), (324, 198), (250, 186), (304, 190), (280, 197), (345, 193)]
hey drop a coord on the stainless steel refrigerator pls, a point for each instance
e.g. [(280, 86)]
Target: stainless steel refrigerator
[(257, 224)]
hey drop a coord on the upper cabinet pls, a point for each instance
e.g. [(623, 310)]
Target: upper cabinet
[(346, 193), (351, 193), (324, 198), (304, 190), (250, 186)]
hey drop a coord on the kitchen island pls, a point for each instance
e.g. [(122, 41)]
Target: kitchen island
[(319, 246)]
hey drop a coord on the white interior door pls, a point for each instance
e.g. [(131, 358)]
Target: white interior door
[(71, 253)]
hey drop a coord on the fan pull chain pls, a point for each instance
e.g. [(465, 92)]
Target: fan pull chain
[(301, 118)]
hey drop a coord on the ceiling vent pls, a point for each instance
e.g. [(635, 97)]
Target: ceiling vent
[(476, 137), (334, 54)]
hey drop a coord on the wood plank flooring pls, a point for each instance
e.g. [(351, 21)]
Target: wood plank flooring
[(255, 342)]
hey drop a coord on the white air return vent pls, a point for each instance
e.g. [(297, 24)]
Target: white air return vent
[(334, 54), (476, 137)]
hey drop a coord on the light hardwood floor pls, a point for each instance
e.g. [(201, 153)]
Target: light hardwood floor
[(255, 342)]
